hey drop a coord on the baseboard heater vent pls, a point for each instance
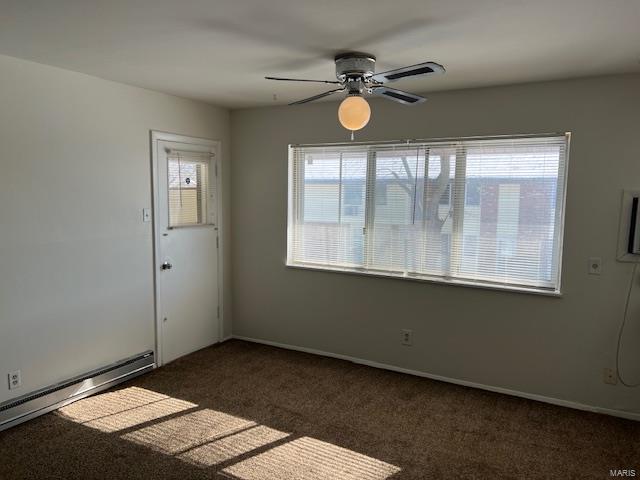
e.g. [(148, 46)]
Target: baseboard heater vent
[(31, 405)]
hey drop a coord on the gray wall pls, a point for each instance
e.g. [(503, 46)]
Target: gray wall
[(76, 284), (555, 347)]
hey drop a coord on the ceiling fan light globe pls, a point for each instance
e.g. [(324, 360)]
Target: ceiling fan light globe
[(354, 112)]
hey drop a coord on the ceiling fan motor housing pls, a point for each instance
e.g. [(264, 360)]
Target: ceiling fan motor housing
[(354, 70)]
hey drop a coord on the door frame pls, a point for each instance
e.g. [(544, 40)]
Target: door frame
[(215, 147)]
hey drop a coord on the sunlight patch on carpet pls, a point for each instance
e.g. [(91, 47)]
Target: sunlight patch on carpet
[(206, 438), (310, 459), (188, 431), (232, 446), (126, 408)]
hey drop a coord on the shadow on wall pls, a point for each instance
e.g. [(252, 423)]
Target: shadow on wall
[(206, 438)]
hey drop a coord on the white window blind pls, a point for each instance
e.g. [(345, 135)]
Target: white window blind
[(191, 189), (471, 211)]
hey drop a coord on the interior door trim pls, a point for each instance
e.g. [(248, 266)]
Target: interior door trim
[(214, 145)]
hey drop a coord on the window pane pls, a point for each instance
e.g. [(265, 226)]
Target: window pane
[(399, 176), (438, 212), (514, 220), (332, 211), (188, 191)]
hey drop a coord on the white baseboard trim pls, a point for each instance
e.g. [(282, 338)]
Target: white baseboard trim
[(224, 339), (506, 391)]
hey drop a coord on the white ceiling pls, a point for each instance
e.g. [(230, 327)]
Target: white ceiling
[(220, 50)]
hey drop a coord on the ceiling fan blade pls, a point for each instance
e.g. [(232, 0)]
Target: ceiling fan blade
[(426, 68), (398, 95), (302, 80), (316, 97)]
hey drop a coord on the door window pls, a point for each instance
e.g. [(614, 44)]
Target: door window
[(189, 191)]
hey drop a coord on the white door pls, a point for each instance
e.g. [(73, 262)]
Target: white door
[(186, 217)]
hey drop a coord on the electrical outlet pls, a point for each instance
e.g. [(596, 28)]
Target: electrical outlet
[(15, 379), (610, 376), (406, 337), (595, 266)]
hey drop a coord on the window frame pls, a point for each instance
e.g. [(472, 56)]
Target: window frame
[(458, 204)]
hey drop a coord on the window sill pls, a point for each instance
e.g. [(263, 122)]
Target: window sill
[(428, 279)]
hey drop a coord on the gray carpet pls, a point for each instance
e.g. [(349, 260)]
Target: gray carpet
[(252, 412)]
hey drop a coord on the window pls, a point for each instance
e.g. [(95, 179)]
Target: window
[(190, 189), (469, 211)]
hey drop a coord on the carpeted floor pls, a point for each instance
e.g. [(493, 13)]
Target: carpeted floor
[(252, 412)]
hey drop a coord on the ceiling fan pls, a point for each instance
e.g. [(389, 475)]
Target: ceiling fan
[(355, 73)]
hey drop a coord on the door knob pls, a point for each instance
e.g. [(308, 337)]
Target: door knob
[(166, 266)]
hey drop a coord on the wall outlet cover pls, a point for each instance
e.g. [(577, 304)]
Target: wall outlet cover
[(15, 379), (406, 337), (595, 266), (610, 376)]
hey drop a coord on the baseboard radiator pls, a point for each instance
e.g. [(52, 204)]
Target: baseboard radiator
[(31, 405)]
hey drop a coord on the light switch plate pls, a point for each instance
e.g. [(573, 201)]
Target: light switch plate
[(146, 215)]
